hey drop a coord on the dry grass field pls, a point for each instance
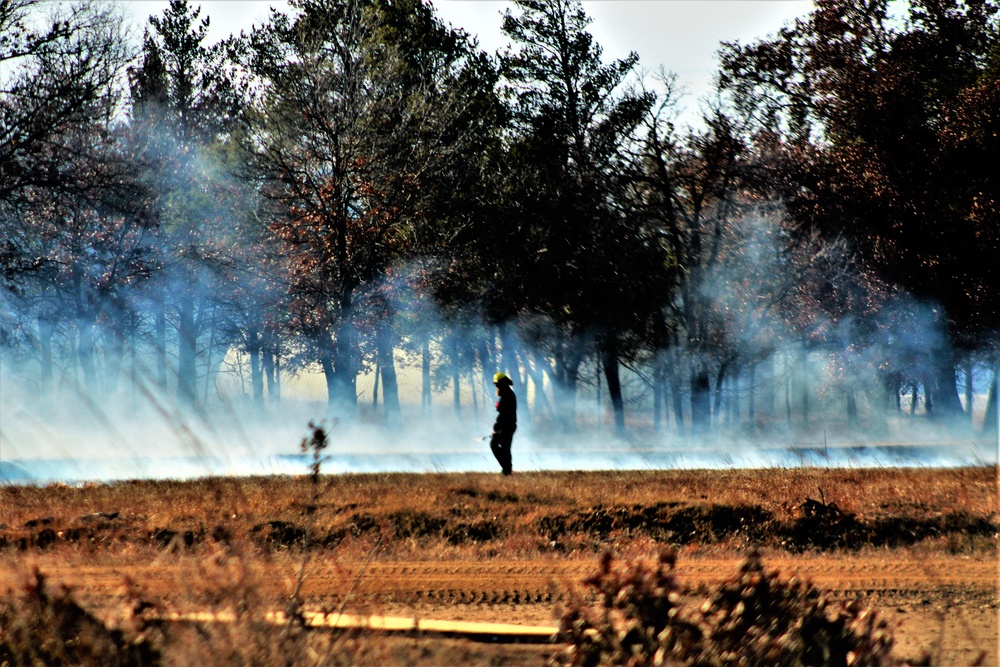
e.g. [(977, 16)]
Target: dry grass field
[(918, 545)]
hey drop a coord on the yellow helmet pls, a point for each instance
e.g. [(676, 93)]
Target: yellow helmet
[(497, 377)]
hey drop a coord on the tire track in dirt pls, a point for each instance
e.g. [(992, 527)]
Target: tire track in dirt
[(531, 580), (905, 576), (949, 602)]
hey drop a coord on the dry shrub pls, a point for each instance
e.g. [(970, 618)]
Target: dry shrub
[(38, 627), (753, 618), (41, 627)]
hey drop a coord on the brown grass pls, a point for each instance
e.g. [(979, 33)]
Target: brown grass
[(478, 515), (239, 544)]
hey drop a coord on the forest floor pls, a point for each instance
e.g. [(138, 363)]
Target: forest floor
[(917, 545)]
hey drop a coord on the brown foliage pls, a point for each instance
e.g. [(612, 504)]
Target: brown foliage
[(38, 627), (754, 618)]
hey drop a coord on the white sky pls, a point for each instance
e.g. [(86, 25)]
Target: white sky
[(681, 35)]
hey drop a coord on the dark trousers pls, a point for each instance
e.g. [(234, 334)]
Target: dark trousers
[(500, 444)]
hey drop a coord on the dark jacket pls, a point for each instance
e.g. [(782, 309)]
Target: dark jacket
[(506, 410)]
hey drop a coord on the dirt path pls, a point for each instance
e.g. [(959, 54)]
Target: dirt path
[(936, 578), (944, 605)]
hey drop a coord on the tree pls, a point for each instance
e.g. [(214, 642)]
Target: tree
[(183, 108), (52, 81), (571, 248), (70, 204), (874, 108), (690, 190), (360, 114)]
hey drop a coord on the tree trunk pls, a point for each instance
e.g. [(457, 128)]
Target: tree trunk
[(597, 394), (187, 370), (788, 399), (387, 364), (46, 329), (766, 390), (717, 398), (509, 348), (390, 393), (343, 399), (729, 394), (506, 357), (946, 400), (568, 358), (609, 360), (277, 374), (425, 376), (537, 375), (803, 373), (456, 375), (852, 408), (659, 382), (85, 353), (991, 423), (270, 363), (256, 371), (676, 396), (133, 361), (115, 354), (486, 365), (161, 345), (329, 374), (737, 374), (896, 386), (751, 400), (564, 388), (968, 390), (209, 362), (701, 405)]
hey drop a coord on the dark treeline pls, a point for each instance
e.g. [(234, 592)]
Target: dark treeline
[(355, 188)]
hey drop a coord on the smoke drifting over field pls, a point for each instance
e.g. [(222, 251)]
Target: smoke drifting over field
[(139, 431), (289, 230), (103, 398), (784, 392)]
